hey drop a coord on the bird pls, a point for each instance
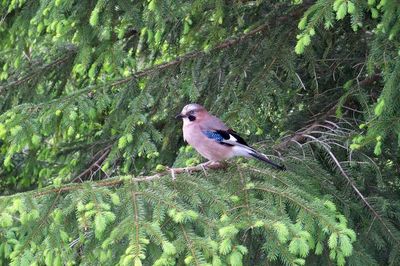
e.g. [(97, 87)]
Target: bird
[(210, 137)]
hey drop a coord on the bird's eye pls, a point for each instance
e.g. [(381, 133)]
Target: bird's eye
[(192, 117)]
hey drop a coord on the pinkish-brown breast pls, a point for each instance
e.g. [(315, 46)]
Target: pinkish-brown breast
[(208, 148)]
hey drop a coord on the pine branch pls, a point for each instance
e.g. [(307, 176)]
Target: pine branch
[(223, 45), (41, 223), (118, 180), (362, 197), (306, 134), (31, 75), (136, 221), (160, 67), (321, 120), (189, 244), (344, 174), (286, 195), (228, 43), (191, 55)]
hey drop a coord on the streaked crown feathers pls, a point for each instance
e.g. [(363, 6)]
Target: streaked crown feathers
[(192, 107)]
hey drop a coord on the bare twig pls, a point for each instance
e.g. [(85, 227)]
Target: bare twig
[(299, 136), (97, 163), (301, 82)]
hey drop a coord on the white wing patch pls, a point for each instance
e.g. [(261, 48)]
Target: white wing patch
[(232, 138)]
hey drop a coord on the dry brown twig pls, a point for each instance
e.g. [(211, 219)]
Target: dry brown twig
[(96, 165)]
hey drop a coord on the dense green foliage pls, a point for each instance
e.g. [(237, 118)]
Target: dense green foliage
[(88, 92)]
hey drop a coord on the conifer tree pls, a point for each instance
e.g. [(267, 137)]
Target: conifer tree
[(94, 170)]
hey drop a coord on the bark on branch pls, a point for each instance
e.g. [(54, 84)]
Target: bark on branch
[(116, 181)]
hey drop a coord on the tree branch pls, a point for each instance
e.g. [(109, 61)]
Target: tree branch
[(191, 55), (322, 121), (34, 73), (223, 45), (118, 180), (362, 197)]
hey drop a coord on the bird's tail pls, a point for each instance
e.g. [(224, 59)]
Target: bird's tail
[(264, 158), (244, 150)]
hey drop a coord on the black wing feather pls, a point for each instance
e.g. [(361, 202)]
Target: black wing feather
[(226, 134)]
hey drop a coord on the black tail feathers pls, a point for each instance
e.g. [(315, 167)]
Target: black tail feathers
[(263, 158)]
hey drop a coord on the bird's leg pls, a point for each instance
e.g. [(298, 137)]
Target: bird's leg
[(212, 164), (204, 169), (205, 165), (173, 174)]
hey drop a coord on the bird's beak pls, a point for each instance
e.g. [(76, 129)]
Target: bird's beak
[(179, 116)]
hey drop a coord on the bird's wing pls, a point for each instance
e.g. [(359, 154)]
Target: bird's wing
[(226, 137), (231, 138)]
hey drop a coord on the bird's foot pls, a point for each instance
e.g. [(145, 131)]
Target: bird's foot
[(203, 168), (213, 164)]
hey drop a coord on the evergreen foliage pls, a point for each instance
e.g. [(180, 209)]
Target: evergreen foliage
[(88, 92), (191, 219)]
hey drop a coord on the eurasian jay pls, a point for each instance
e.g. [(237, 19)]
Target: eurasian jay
[(213, 139)]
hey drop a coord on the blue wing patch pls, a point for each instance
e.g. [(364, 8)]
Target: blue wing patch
[(213, 135), (221, 136)]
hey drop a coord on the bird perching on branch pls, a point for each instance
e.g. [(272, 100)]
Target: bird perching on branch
[(213, 139)]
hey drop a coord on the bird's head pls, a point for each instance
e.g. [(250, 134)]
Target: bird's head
[(192, 113)]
